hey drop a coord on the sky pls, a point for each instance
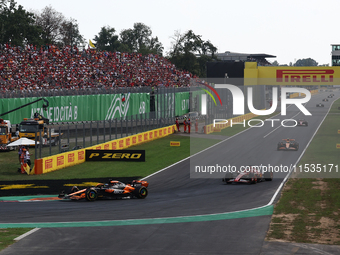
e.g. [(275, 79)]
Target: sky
[(287, 29)]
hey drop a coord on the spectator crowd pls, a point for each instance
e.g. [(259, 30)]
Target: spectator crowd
[(33, 68)]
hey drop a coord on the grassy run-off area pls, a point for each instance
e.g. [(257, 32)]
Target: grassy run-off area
[(159, 154), (309, 208), (8, 235)]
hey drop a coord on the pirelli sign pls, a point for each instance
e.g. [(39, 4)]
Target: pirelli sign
[(323, 76), (291, 75), (115, 155)]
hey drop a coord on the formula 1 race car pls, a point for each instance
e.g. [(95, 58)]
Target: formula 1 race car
[(330, 96), (113, 189), (248, 174), (302, 122), (288, 145), (325, 100), (319, 105)]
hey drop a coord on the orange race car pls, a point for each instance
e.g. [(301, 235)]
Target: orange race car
[(288, 145), (113, 189)]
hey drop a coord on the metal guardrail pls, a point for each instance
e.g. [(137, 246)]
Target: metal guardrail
[(88, 133)]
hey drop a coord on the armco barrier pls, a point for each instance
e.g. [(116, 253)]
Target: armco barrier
[(313, 92), (70, 158)]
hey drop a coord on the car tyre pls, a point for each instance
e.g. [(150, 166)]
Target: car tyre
[(141, 192), (226, 180), (91, 194)]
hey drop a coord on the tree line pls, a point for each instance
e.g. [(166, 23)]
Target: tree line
[(188, 50), (301, 62)]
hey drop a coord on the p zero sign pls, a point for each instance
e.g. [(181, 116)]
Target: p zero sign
[(115, 155)]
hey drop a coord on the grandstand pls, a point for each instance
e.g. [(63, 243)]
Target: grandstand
[(27, 69)]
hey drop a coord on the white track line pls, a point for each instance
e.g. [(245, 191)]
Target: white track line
[(26, 234), (196, 154), (202, 150), (278, 127)]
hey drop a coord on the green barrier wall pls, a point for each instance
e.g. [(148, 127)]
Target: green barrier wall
[(78, 108), (96, 107)]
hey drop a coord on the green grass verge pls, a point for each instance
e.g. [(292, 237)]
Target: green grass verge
[(309, 208), (7, 236), (159, 154), (322, 149)]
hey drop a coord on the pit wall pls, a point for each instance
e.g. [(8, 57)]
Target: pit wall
[(70, 158)]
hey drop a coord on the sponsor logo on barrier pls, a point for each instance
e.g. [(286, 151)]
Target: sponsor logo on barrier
[(81, 155), (140, 138), (338, 145), (115, 155), (155, 134), (160, 132), (150, 135), (127, 141), (70, 158), (145, 136), (119, 107), (298, 76), (121, 143), (60, 160), (106, 146), (114, 145), (134, 140), (48, 163), (172, 143)]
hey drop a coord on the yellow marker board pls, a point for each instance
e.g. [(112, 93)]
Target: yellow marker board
[(175, 143)]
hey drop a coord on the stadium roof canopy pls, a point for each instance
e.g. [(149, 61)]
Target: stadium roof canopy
[(228, 55)]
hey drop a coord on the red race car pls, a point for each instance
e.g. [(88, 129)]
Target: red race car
[(113, 189), (302, 122), (248, 174)]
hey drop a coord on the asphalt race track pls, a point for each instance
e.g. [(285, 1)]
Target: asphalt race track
[(163, 222)]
